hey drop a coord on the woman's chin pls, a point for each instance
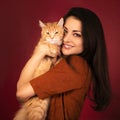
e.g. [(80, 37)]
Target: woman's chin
[(66, 53)]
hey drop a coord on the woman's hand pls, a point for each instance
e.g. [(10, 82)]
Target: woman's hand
[(44, 49)]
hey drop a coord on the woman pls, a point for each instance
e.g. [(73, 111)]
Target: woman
[(83, 66)]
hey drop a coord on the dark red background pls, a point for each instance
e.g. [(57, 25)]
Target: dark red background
[(19, 33)]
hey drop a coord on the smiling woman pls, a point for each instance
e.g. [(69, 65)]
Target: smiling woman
[(83, 64), (91, 46), (73, 40)]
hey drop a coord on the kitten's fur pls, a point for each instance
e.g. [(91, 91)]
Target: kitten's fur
[(51, 35)]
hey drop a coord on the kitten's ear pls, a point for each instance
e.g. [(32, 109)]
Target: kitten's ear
[(60, 22), (41, 24)]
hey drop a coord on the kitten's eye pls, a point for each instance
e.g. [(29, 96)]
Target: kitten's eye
[(56, 32), (47, 33)]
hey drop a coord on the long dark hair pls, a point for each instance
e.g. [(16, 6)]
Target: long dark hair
[(95, 53)]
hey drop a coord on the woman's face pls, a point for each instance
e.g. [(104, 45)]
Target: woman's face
[(72, 41)]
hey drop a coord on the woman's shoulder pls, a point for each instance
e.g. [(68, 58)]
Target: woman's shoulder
[(76, 57), (75, 61), (78, 60), (79, 63)]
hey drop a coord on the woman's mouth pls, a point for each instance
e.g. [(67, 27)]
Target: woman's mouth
[(67, 46)]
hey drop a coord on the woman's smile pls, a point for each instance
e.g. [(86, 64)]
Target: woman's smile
[(67, 46)]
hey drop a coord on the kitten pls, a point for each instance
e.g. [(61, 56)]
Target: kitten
[(51, 35)]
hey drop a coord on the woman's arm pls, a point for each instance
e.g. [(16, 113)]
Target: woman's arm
[(24, 88), (62, 78)]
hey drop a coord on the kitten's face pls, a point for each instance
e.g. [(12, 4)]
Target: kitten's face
[(52, 33)]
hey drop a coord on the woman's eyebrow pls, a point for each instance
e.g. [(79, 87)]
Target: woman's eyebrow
[(77, 31), (73, 30)]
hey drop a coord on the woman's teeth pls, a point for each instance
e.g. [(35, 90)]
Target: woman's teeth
[(67, 46)]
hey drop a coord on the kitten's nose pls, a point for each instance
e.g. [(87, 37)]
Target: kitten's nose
[(52, 36)]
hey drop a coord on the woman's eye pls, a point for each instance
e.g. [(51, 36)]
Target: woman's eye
[(77, 35), (65, 32)]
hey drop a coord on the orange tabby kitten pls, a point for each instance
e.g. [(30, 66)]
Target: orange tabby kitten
[(51, 35)]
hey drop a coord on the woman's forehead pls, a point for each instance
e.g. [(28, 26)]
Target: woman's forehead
[(73, 23)]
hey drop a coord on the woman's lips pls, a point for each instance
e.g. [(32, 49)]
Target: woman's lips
[(67, 46)]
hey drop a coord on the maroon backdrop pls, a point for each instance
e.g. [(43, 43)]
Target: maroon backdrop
[(19, 33)]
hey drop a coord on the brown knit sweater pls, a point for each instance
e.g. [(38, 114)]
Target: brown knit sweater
[(67, 88)]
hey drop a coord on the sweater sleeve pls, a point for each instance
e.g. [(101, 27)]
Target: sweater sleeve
[(61, 78)]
